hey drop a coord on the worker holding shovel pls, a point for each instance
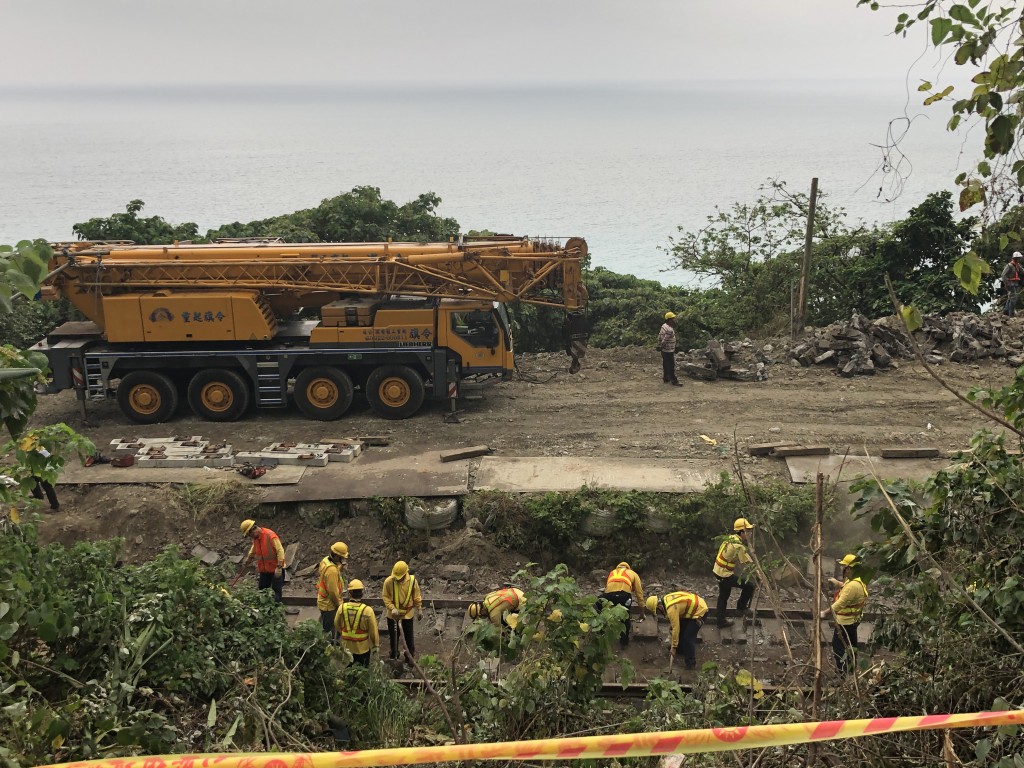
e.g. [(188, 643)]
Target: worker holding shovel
[(685, 612)]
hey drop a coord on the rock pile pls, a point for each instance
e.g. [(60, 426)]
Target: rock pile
[(736, 360)]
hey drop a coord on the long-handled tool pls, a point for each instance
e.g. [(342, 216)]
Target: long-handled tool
[(241, 572)]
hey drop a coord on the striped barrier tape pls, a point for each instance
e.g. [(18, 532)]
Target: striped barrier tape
[(583, 747)]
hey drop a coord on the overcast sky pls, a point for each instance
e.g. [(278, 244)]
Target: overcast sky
[(215, 42)]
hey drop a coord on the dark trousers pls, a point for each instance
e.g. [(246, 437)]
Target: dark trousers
[(362, 659), (42, 487), (407, 630), (625, 599), (687, 648), (327, 622), (725, 588), (668, 366), (275, 583), (844, 644)]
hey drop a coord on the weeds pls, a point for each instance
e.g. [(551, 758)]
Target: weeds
[(231, 497)]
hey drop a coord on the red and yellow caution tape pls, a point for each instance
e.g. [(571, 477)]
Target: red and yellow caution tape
[(589, 747)]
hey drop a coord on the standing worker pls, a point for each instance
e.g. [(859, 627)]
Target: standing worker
[(357, 625), (497, 605), (685, 612), (402, 597), (330, 587), (667, 345), (268, 552), (848, 608), (623, 584), (1010, 277), (731, 553)]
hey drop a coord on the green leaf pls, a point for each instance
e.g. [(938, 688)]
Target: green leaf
[(939, 96), (1004, 241), (999, 135), (924, 86), (972, 194), (962, 14), (940, 30), (911, 316), (211, 718)]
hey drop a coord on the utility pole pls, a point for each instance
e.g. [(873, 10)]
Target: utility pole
[(805, 267)]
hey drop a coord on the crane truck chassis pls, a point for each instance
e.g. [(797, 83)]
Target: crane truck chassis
[(400, 322)]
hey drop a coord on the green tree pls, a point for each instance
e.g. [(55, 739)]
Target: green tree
[(130, 226)]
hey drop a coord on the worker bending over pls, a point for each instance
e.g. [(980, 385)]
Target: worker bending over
[(731, 553), (848, 608), (330, 587), (497, 605), (268, 552), (685, 612), (357, 625), (623, 584), (401, 595)]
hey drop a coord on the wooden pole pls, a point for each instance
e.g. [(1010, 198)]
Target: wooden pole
[(819, 514), (805, 267)]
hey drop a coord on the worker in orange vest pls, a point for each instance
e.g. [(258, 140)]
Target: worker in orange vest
[(621, 587), (685, 612), (268, 553), (330, 587), (1010, 278), (402, 598), (357, 625)]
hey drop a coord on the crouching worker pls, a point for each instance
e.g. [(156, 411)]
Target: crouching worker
[(621, 587), (357, 625), (685, 612), (498, 605)]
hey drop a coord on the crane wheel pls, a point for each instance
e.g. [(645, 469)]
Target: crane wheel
[(218, 395), (323, 394), (395, 391), (147, 397)]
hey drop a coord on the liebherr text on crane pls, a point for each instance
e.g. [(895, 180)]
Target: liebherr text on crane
[(207, 322)]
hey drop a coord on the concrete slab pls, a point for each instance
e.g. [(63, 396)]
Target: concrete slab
[(563, 473), (804, 469), (417, 475), (101, 474)]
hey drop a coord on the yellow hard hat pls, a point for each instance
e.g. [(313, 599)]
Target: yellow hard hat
[(340, 548), (474, 611), (652, 604), (623, 564), (742, 524), (401, 569), (355, 585), (849, 560), (670, 315), (246, 526)]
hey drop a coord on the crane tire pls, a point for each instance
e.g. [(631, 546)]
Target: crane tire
[(218, 394), (395, 391), (323, 393), (147, 397)]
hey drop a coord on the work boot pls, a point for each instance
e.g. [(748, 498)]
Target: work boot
[(676, 384), (724, 623)]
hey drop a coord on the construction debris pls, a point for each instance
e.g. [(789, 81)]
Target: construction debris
[(764, 449), (910, 453), (736, 360), (801, 450), (465, 453), (173, 452)]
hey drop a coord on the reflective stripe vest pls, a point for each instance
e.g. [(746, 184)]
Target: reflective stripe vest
[(721, 560), (689, 603), (325, 601), (351, 621), (619, 576), (508, 596), (404, 602), (1013, 274), (852, 613), (266, 554)]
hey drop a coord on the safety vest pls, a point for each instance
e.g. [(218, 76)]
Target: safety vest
[(855, 611), (507, 596), (323, 597), (403, 603), (1014, 274), (619, 575), (689, 600), (263, 548), (720, 559), (351, 623)]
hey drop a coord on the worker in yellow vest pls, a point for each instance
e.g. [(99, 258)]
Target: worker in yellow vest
[(498, 605), (685, 612), (330, 587), (402, 598), (268, 552), (356, 623), (848, 608), (731, 553), (621, 587)]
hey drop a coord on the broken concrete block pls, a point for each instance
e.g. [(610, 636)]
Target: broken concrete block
[(802, 450), (910, 453), (464, 453), (824, 357), (763, 449)]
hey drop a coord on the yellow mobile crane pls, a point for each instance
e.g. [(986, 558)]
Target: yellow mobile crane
[(206, 321)]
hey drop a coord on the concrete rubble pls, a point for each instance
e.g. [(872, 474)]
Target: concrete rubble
[(196, 451)]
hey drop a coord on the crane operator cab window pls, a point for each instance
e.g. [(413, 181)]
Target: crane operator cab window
[(477, 327)]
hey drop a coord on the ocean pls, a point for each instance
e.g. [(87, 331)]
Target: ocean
[(624, 167)]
